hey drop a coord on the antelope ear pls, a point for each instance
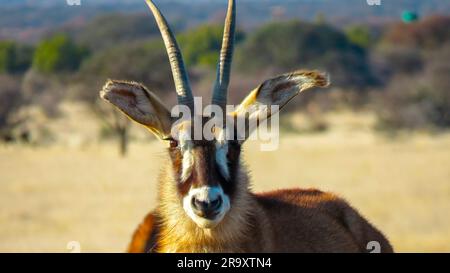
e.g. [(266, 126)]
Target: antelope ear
[(280, 90), (277, 92), (139, 104)]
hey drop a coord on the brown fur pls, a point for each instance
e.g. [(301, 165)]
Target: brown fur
[(143, 235), (293, 220)]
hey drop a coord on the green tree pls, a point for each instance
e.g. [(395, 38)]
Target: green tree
[(59, 53), (360, 35), (201, 45), (14, 58)]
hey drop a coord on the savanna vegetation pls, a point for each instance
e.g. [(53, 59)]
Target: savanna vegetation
[(380, 129), (398, 70)]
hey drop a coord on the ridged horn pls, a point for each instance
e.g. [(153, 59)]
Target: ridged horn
[(226, 55), (180, 76)]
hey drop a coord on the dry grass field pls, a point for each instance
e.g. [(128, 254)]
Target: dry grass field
[(51, 196)]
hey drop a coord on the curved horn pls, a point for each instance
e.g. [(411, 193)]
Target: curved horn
[(180, 77), (226, 56)]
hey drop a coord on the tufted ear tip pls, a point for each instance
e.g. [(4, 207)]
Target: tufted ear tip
[(309, 79), (118, 92), (106, 89), (322, 79)]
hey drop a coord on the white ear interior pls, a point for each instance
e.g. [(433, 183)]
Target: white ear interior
[(132, 99), (282, 89)]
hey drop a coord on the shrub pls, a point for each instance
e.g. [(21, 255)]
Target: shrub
[(429, 33), (293, 45), (14, 58), (10, 101), (421, 100), (58, 54), (143, 61)]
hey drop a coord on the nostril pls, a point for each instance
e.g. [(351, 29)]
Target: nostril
[(206, 206), (199, 205), (216, 203)]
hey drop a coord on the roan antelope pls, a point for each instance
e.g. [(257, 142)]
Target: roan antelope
[(204, 201)]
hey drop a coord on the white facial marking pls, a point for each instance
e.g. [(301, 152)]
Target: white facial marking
[(222, 160), (221, 154), (188, 164), (206, 193), (188, 157)]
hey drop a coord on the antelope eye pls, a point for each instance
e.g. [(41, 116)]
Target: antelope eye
[(173, 143)]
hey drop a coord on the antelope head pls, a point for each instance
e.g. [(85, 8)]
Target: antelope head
[(205, 170)]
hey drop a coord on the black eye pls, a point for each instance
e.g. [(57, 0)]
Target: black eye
[(173, 143)]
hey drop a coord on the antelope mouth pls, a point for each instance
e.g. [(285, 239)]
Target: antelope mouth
[(209, 222), (211, 216)]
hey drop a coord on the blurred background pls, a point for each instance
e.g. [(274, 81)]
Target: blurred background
[(73, 169)]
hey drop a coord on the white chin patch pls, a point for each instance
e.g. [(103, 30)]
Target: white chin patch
[(206, 193)]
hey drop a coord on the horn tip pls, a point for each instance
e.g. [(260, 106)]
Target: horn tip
[(150, 4)]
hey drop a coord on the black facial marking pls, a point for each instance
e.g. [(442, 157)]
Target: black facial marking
[(233, 158), (206, 170), (177, 166)]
